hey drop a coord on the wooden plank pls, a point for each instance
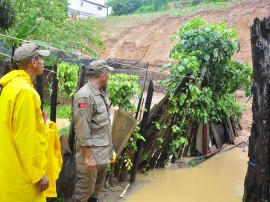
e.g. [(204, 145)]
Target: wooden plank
[(122, 128), (205, 138), (54, 95), (235, 126), (142, 131), (221, 131), (151, 146), (199, 138), (188, 136), (216, 135), (229, 131), (140, 100), (156, 109)]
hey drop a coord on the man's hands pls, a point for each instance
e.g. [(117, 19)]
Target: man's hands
[(90, 164), (89, 161), (43, 184)]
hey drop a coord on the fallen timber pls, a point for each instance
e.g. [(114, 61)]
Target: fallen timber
[(203, 139), (222, 149)]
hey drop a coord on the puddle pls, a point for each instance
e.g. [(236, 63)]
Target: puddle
[(218, 179)]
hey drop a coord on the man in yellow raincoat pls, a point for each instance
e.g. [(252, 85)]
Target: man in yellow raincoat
[(22, 130)]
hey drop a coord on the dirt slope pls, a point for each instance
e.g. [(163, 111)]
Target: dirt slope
[(148, 37)]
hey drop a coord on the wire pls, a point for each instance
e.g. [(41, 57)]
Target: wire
[(43, 44), (79, 54), (50, 71), (5, 55), (134, 67)]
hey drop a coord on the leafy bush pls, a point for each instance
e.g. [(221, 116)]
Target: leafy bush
[(121, 88), (46, 22), (67, 75), (203, 53), (124, 7), (146, 9), (7, 11)]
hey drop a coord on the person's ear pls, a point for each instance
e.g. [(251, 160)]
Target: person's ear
[(33, 61)]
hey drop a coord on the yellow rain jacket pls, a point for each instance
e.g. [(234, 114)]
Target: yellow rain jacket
[(22, 140), (54, 157)]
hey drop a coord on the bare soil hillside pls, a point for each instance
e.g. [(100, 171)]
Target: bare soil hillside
[(147, 38)]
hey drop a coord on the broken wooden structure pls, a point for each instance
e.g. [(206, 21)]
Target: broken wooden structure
[(203, 139)]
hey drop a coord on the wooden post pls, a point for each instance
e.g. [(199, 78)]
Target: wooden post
[(257, 182), (140, 100), (142, 131), (54, 95), (205, 139)]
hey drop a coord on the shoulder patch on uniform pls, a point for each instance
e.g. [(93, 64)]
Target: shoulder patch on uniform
[(82, 105)]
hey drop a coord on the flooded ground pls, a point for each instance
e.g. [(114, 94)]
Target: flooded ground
[(219, 179)]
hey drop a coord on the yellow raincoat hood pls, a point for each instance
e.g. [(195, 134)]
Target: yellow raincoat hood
[(8, 77), (23, 139)]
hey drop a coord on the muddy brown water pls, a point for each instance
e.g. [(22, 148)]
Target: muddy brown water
[(219, 179)]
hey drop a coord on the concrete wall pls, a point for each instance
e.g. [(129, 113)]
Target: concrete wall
[(86, 9)]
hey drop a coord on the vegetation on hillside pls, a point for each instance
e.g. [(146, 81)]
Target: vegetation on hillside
[(125, 7), (47, 23), (7, 11)]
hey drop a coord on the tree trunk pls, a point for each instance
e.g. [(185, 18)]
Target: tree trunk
[(257, 182)]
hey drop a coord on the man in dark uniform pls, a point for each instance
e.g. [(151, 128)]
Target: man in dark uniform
[(93, 133)]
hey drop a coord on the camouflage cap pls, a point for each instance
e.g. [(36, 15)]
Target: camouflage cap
[(26, 52), (97, 66)]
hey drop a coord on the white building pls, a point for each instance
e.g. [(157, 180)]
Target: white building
[(88, 8)]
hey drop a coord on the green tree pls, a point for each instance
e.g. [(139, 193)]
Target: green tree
[(7, 16), (67, 74), (121, 88), (159, 4), (124, 7), (204, 54), (47, 21), (150, 6)]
